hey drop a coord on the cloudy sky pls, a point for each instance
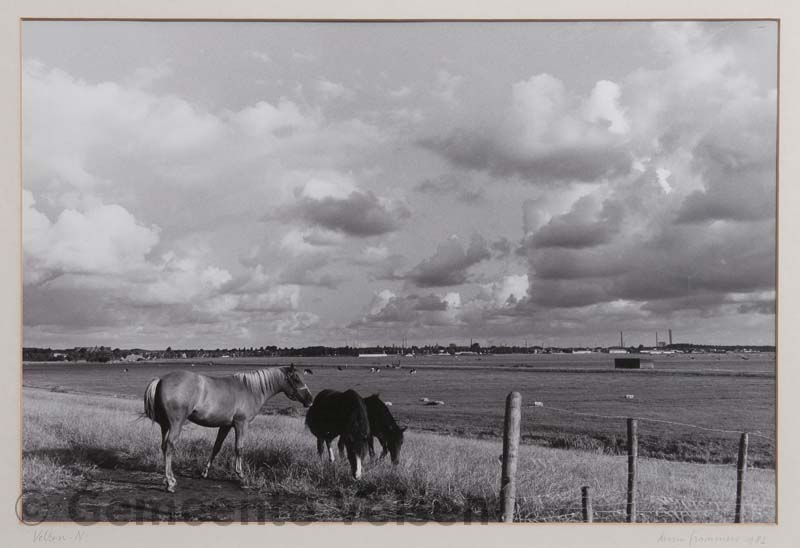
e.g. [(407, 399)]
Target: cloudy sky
[(245, 184)]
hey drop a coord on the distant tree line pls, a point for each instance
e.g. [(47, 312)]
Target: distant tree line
[(104, 354)]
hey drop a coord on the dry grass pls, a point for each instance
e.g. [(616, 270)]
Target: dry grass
[(68, 437)]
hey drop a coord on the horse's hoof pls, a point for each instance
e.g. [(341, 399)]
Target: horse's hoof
[(204, 474), (170, 488)]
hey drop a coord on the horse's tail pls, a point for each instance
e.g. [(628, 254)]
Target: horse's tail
[(150, 400)]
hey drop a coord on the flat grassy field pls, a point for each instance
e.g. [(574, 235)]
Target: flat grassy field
[(89, 457), (731, 392)]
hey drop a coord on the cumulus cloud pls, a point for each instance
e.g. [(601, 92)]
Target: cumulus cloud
[(281, 298), (450, 263), (263, 118), (104, 239), (387, 308), (330, 90), (67, 119), (547, 135), (693, 223), (643, 195), (182, 280), (346, 209)]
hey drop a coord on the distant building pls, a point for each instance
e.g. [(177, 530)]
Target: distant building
[(617, 350), (376, 355), (133, 358), (632, 363)]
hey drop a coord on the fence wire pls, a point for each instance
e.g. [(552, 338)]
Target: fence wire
[(648, 508), (648, 419)]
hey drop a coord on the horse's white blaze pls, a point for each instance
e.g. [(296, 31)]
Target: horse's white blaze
[(331, 456), (358, 467)]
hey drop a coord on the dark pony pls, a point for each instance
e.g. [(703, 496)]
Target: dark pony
[(341, 414), (382, 426)]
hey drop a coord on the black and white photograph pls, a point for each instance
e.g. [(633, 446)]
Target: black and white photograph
[(399, 271)]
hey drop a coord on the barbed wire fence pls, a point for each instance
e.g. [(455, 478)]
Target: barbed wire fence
[(573, 505)]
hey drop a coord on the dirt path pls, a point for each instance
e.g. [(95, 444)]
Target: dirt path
[(135, 496)]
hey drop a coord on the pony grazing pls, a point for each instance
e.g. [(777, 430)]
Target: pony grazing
[(382, 426), (224, 402), (341, 414)]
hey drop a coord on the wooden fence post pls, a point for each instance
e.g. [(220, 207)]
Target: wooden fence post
[(508, 481), (586, 499), (633, 453), (741, 468)]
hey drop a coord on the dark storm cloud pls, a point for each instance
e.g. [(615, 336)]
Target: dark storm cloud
[(449, 264), (618, 250), (562, 233), (571, 264), (568, 293), (479, 152), (704, 206), (360, 214), (581, 227)]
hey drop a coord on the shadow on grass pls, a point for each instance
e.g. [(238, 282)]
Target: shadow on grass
[(93, 456)]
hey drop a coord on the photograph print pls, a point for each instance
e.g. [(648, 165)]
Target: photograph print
[(442, 271)]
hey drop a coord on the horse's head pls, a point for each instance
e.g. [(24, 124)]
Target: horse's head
[(394, 441), (294, 387)]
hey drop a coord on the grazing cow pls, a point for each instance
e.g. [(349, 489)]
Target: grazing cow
[(412, 372), (382, 426), (341, 414), (426, 400), (307, 372), (340, 368), (125, 370), (629, 396)]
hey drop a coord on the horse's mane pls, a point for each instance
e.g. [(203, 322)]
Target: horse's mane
[(260, 381)]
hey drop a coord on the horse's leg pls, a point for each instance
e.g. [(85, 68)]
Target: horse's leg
[(384, 447), (239, 428), (222, 433), (320, 446), (341, 447), (331, 457), (164, 447), (172, 437), (355, 460)]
